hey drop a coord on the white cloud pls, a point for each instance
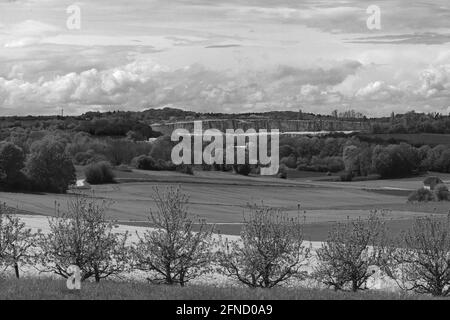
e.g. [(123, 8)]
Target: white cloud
[(435, 82), (145, 82), (379, 91), (25, 33)]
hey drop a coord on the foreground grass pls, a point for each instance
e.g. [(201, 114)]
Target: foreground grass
[(47, 289)]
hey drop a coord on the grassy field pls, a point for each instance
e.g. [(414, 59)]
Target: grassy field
[(47, 289), (221, 198)]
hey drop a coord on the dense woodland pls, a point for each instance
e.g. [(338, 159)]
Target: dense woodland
[(38, 153)]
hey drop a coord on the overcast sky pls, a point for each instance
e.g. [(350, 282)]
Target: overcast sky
[(224, 56)]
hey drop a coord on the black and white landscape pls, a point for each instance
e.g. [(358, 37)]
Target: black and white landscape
[(116, 174)]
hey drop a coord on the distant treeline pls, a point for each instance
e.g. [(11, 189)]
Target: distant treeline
[(412, 122), (119, 123)]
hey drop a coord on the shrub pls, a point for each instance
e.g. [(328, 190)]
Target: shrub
[(83, 237), (282, 172), (421, 195), (162, 148), (352, 248), (242, 169), (346, 176), (173, 253), (185, 168), (441, 192), (271, 252), (144, 162), (98, 173), (49, 167), (166, 165), (419, 260), (290, 161)]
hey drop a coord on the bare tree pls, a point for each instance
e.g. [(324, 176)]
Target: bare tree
[(345, 259), (16, 241), (172, 252), (82, 236), (419, 260), (270, 252)]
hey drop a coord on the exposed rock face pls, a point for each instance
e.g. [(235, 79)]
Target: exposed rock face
[(281, 125)]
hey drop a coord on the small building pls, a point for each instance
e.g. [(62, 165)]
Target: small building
[(431, 182)]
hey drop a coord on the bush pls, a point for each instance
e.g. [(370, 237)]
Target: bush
[(83, 237), (346, 176), (185, 168), (144, 162), (441, 192), (352, 248), (290, 162), (282, 172), (98, 173), (271, 252), (421, 195), (242, 169), (173, 253), (162, 148)]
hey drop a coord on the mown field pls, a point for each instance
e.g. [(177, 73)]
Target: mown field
[(221, 198), (47, 289)]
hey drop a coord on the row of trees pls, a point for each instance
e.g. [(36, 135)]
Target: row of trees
[(413, 122), (359, 158), (46, 168), (271, 250)]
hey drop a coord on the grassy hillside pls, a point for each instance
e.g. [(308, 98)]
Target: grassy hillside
[(56, 289)]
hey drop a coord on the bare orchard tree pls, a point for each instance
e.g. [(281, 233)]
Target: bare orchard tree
[(173, 253), (270, 252), (346, 258), (83, 236), (16, 241), (419, 260)]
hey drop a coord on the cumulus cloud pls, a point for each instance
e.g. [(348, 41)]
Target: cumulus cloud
[(379, 91), (435, 82), (146, 83), (26, 33)]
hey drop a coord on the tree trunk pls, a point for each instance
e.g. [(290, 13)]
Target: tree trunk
[(16, 269), (355, 285), (96, 275)]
